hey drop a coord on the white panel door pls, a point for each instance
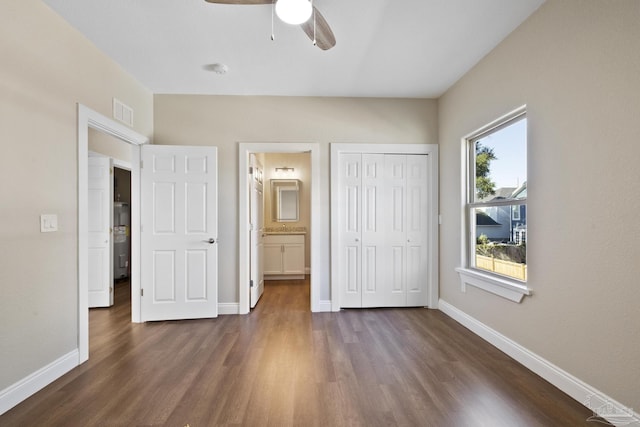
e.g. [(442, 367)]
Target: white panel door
[(350, 221), (383, 203), (375, 273), (256, 215), (393, 293), (417, 229), (100, 252), (179, 250)]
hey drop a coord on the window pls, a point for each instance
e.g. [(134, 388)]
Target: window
[(516, 213), (496, 203)]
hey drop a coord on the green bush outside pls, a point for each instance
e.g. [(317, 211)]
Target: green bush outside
[(503, 251)]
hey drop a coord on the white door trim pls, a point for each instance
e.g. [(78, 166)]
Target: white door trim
[(432, 245), (88, 118), (244, 149), (121, 164)]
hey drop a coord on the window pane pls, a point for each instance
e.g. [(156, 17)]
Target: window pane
[(500, 244), (501, 163)]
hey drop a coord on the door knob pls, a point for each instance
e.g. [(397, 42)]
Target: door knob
[(211, 241)]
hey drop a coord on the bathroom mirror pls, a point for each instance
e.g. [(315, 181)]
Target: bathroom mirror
[(284, 199)]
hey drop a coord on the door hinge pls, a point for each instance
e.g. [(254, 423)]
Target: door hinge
[(251, 283), (250, 170), (141, 292), (110, 289), (141, 163)]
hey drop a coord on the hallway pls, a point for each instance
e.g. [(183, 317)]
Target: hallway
[(282, 365)]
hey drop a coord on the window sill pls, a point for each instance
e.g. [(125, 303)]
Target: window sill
[(503, 287)]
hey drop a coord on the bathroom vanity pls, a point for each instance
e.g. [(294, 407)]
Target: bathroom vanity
[(283, 254)]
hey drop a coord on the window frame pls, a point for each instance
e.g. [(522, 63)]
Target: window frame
[(504, 286)]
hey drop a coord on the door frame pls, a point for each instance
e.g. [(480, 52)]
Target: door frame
[(432, 242), (244, 149), (88, 118)]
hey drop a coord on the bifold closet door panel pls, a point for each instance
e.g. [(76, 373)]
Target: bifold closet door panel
[(350, 224), (417, 189), (383, 247)]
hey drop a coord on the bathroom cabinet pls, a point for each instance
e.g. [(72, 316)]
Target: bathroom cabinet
[(283, 256)]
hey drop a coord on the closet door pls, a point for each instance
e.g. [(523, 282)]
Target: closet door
[(383, 230), (350, 213), (375, 232), (393, 292), (418, 256)]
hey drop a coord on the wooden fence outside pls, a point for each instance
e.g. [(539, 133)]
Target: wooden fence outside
[(506, 268)]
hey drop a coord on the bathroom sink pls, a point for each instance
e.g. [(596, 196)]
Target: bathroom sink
[(285, 230)]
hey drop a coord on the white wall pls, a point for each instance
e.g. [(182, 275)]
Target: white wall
[(46, 68), (223, 121), (576, 64)]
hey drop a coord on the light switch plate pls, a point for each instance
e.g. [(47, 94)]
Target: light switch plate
[(48, 223)]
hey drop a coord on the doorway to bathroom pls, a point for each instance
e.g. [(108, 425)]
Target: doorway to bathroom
[(280, 220), (310, 231)]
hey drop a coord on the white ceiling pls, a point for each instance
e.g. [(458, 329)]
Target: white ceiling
[(385, 48)]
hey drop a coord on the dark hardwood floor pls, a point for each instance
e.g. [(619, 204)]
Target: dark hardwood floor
[(283, 366)]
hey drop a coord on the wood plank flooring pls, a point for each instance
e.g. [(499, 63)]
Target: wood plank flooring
[(284, 366)]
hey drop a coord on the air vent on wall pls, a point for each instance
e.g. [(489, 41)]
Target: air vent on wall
[(122, 112)]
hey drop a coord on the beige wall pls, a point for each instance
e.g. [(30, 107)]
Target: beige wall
[(108, 145), (223, 121), (576, 64), (301, 162), (46, 68)]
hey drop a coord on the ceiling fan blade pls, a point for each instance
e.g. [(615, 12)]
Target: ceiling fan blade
[(240, 1), (324, 37)]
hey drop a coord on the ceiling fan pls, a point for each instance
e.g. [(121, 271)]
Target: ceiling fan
[(311, 21)]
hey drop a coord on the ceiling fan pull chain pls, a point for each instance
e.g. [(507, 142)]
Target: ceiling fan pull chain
[(273, 11), (314, 24)]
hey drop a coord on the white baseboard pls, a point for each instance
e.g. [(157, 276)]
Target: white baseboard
[(592, 398), (228, 308), (29, 385), (324, 306)]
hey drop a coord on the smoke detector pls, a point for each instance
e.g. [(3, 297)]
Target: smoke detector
[(217, 68)]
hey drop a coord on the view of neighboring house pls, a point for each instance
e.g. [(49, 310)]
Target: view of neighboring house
[(519, 216), (504, 223)]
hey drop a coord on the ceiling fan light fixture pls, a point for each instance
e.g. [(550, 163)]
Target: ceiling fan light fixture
[(294, 12)]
